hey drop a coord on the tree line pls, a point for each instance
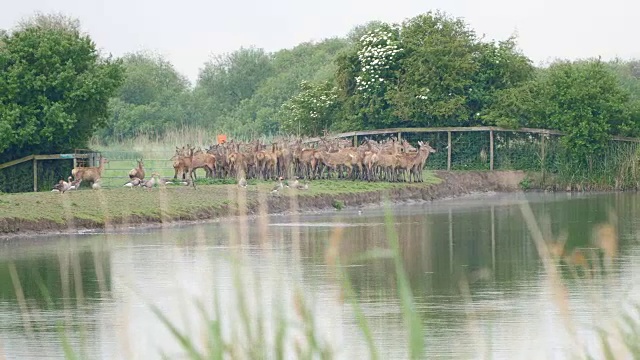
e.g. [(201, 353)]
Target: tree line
[(57, 90)]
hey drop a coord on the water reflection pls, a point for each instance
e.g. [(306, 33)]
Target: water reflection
[(473, 267)]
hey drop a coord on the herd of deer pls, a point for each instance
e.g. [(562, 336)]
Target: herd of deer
[(389, 160)]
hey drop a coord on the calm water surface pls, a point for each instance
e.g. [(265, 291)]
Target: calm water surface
[(478, 281)]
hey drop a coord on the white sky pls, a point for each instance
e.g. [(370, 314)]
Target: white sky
[(187, 32)]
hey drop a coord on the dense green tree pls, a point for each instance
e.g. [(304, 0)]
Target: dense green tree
[(436, 71), (583, 99), (258, 113), (311, 111), (228, 79), (365, 77), (519, 106), (500, 66), (54, 87), (587, 103), (359, 31), (628, 74), (430, 71), (153, 98)]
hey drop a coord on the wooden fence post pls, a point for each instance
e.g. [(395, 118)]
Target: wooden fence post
[(448, 150), (450, 241), (399, 136), (355, 141), (542, 155), (35, 175), (491, 149)]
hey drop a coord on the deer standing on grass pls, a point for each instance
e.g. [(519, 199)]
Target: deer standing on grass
[(423, 155), (91, 174), (203, 160), (137, 172), (179, 165)]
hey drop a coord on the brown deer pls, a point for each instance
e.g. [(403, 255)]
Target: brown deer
[(137, 172), (423, 155), (179, 165), (203, 160), (91, 174)]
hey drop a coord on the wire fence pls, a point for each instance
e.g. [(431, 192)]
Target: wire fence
[(484, 148), (116, 171), (459, 149)]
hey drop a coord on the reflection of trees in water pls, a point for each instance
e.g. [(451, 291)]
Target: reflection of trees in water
[(65, 274), (491, 247), (425, 250)]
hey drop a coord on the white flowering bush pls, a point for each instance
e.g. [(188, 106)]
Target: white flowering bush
[(309, 112), (379, 53)]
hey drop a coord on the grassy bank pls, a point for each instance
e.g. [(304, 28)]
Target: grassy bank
[(49, 212)]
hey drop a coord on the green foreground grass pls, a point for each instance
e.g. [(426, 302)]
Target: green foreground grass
[(171, 202)]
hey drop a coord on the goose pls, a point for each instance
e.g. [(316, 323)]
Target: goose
[(242, 182), (151, 182), (165, 181), (296, 183), (279, 186), (299, 186), (134, 182), (96, 184), (62, 185), (75, 184), (185, 182)]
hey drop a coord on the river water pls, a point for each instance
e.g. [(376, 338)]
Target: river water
[(479, 286)]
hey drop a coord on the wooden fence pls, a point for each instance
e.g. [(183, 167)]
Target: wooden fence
[(449, 130), (35, 158)]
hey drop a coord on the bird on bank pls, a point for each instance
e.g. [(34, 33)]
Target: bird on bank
[(295, 184), (151, 182), (304, 185), (62, 186), (133, 183), (187, 182), (75, 184), (171, 181), (164, 181), (279, 186), (242, 182)]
